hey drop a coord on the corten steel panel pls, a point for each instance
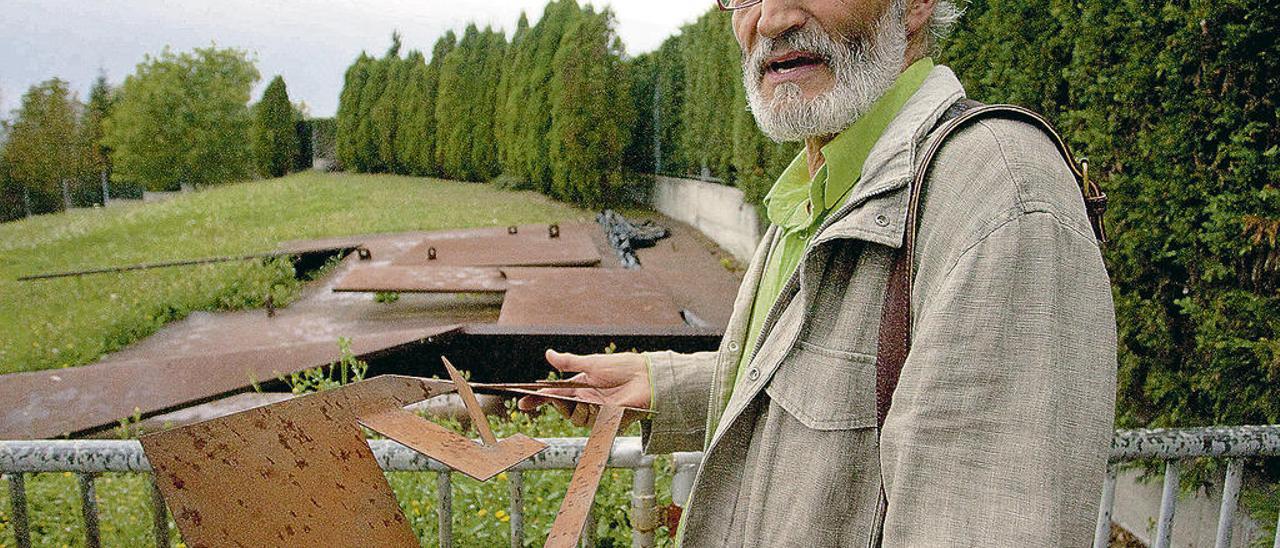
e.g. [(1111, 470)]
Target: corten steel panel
[(586, 297), (460, 453), (67, 401), (296, 473), (576, 506), (423, 279), (571, 248)]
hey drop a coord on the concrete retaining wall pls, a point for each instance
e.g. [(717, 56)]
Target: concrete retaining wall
[(1195, 518), (716, 210)]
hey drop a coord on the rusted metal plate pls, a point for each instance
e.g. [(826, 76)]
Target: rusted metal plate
[(423, 279), (576, 506), (68, 401), (454, 450), (584, 297), (296, 473), (571, 248)]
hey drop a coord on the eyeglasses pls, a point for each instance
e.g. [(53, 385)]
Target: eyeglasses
[(730, 5)]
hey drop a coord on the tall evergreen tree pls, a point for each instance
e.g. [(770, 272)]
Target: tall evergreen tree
[(348, 116), (101, 102), (591, 112), (503, 123), (409, 123), (275, 136), (385, 116), (533, 120), (427, 149)]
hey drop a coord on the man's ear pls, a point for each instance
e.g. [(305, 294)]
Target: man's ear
[(918, 14)]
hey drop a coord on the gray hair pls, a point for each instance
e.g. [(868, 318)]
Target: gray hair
[(946, 13)]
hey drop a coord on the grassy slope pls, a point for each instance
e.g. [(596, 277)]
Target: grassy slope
[(73, 321)]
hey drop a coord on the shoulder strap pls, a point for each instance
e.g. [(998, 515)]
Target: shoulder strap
[(895, 316)]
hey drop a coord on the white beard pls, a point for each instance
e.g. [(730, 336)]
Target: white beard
[(863, 72)]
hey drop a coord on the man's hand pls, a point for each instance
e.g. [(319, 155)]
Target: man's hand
[(616, 379)]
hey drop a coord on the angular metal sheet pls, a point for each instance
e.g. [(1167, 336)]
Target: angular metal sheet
[(423, 279), (295, 473), (571, 248), (454, 450), (576, 506), (52, 403), (586, 297)]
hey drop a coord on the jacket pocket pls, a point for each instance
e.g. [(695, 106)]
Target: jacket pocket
[(826, 389)]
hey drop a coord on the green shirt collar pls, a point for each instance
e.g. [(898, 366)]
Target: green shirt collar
[(788, 203)]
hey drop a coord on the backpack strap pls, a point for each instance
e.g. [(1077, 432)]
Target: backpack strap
[(895, 316)]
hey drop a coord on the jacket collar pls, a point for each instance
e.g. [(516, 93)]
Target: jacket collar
[(875, 211)]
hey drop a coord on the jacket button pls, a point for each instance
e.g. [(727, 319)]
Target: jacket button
[(882, 220), (754, 374), (733, 346)]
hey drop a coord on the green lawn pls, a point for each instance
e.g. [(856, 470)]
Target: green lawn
[(73, 321)]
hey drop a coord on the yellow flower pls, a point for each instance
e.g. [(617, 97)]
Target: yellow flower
[(502, 476), (500, 514), (482, 513), (504, 519)]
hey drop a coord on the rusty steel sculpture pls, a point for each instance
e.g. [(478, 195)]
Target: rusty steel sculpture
[(300, 472)]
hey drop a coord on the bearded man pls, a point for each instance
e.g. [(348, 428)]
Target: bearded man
[(997, 432)]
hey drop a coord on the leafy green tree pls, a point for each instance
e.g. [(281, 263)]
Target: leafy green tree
[(530, 148), (590, 111), (713, 71), (465, 106), (504, 122), (183, 118), (275, 136), (427, 148), (385, 116), (669, 106), (45, 152)]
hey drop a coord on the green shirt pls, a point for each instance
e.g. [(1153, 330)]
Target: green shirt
[(798, 204)]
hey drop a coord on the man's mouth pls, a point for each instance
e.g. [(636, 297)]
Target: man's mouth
[(793, 62)]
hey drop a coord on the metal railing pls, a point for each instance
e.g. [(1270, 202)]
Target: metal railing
[(1174, 445), (87, 458)]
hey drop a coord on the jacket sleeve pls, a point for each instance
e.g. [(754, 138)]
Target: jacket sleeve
[(1000, 426), (681, 390)]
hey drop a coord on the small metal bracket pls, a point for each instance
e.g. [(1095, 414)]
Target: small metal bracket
[(553, 231), (431, 253), (363, 253), (513, 229)]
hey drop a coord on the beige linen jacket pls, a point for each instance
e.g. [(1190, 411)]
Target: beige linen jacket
[(999, 429)]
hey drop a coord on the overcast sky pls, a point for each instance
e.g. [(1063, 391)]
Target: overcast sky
[(309, 42)]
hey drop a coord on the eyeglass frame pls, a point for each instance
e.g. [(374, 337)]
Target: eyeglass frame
[(745, 4)]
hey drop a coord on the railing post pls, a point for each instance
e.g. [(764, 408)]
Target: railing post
[(686, 465), (1168, 502), (18, 506), (89, 510), (1230, 499), (444, 508), (517, 508), (159, 515), (644, 506), (1102, 534)]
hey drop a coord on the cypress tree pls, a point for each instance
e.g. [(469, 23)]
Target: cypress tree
[(590, 112), (534, 121), (386, 113), (503, 121), (275, 138), (353, 84), (457, 73), (409, 124), (427, 148), (101, 101)]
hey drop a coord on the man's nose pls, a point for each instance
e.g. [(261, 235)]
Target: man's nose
[(779, 16)]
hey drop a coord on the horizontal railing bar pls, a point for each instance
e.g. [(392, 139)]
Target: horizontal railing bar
[(93, 456), (1181, 443), (96, 456)]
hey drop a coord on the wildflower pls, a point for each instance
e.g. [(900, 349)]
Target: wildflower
[(482, 513), (500, 514), (502, 476)]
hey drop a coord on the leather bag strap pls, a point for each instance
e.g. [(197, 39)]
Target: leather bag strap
[(895, 316)]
